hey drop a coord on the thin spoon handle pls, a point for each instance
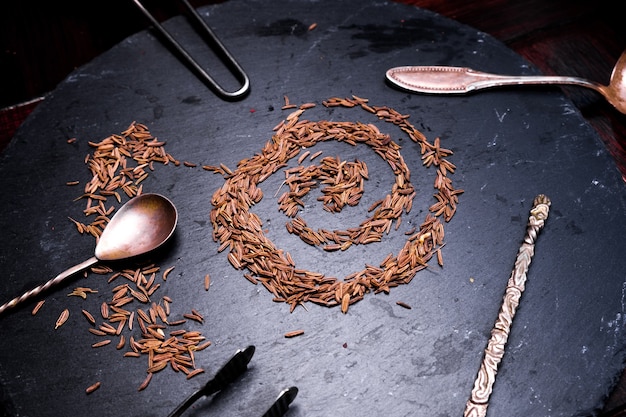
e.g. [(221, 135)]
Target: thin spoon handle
[(479, 400), (54, 281), (460, 80)]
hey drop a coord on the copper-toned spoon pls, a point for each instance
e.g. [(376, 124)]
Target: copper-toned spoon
[(461, 80), (141, 225)]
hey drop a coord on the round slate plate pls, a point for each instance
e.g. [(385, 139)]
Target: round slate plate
[(566, 346)]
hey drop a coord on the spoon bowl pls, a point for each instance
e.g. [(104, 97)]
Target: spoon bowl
[(141, 225), (615, 92)]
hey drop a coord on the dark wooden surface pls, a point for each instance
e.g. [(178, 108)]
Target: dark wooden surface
[(42, 42)]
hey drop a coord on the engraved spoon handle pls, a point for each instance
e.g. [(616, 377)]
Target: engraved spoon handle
[(54, 281), (479, 400), (461, 80)]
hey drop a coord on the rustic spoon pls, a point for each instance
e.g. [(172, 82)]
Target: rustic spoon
[(142, 224), (461, 80)]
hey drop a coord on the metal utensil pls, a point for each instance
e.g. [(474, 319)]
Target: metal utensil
[(226, 56), (141, 225), (477, 405), (462, 80), (281, 405), (236, 366)]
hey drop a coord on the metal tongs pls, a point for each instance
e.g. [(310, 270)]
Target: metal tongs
[(232, 370), (226, 56)]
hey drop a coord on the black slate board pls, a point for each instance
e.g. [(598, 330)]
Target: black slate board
[(566, 346)]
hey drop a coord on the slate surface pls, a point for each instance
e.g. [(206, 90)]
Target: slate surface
[(566, 347)]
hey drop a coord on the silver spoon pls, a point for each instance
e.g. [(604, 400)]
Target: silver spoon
[(461, 80), (142, 224)]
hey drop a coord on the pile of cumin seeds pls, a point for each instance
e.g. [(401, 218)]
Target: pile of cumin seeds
[(118, 165), (163, 342), (236, 228), (343, 184), (134, 320)]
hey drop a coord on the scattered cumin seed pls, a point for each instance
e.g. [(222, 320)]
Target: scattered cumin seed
[(102, 343), (316, 154), (167, 272), (65, 314), (104, 310), (203, 346), (37, 307), (121, 342), (145, 382), (303, 157), (197, 314), (345, 303), (287, 104), (403, 304), (439, 257), (89, 317), (195, 372), (294, 333), (97, 332), (93, 387)]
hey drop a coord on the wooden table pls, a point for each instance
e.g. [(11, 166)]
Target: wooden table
[(43, 42)]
